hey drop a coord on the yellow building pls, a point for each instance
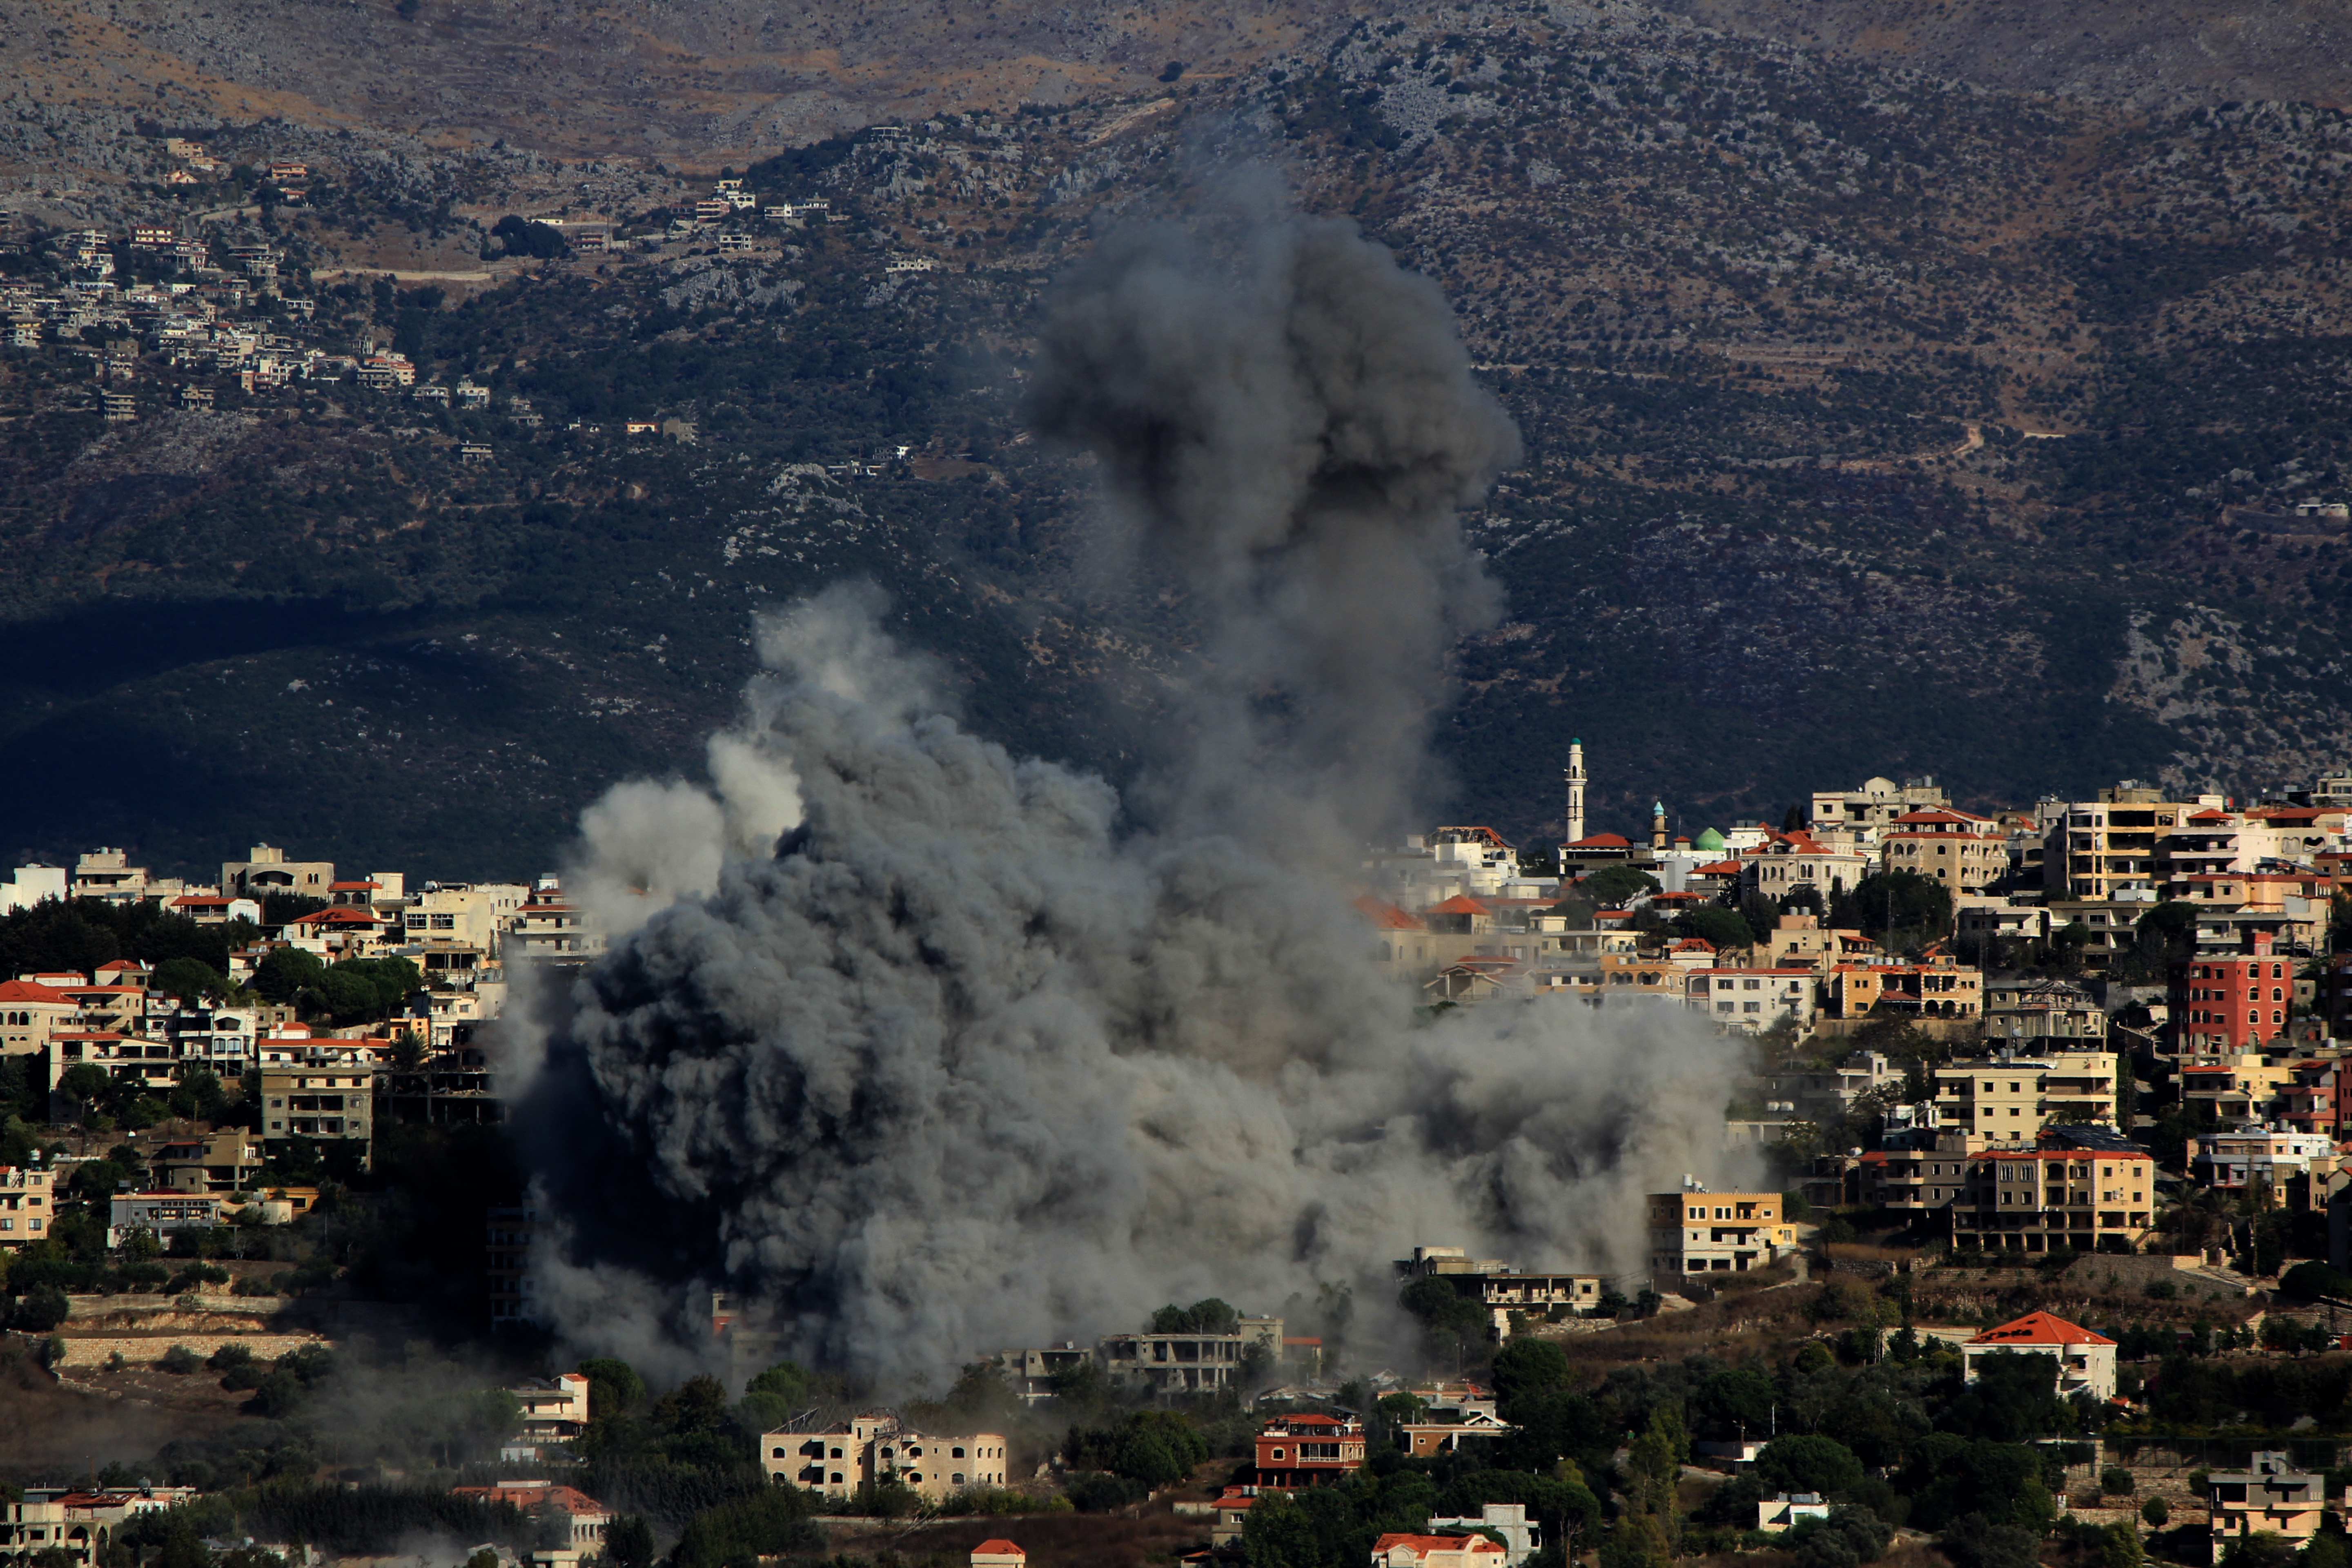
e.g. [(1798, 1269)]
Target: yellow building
[(2009, 1098), (1695, 1232)]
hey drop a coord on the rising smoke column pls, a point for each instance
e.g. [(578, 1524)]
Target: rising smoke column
[(966, 1058)]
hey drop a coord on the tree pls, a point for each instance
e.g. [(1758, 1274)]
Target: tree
[(189, 979), (1611, 886), (1447, 1318), (1278, 1534), (40, 1309), (1808, 1463), (1919, 907), (629, 1541), (2155, 1513), (1524, 1367), (1210, 1317), (1638, 1542), (1712, 923), (614, 1387), (2119, 1547), (287, 972), (85, 1083)]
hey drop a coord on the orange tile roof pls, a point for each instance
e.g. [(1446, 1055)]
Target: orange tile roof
[(1459, 904), (1436, 1543), (1602, 841), (997, 1546), (2041, 1329), (1386, 916), (25, 991)]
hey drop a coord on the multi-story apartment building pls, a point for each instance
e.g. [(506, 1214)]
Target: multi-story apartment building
[(874, 1450), (2105, 846), (1941, 989), (1697, 1232), (2023, 1016), (2257, 1158), (1963, 853), (1191, 1362), (2271, 1497), (2010, 1097), (27, 1204), (329, 1102), (1785, 862), (1752, 1000), (550, 926), (1502, 1290), (2096, 1197), (1867, 811), (1299, 1451), (2247, 1087), (2225, 1006)]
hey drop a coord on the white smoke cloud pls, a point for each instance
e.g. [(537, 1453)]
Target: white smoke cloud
[(924, 1049)]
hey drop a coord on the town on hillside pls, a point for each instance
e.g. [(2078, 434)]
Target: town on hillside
[(2049, 1257)]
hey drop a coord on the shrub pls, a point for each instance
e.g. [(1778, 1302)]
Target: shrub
[(1808, 1463), (180, 1360), (2117, 1481), (2155, 1514), (40, 1309)]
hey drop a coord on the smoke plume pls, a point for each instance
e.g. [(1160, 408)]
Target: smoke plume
[(924, 1049)]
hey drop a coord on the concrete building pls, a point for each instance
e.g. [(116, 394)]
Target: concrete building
[(329, 1102), (588, 1518), (875, 1450), (2009, 1098), (1191, 1362), (29, 885), (1697, 1232), (1963, 854), (1522, 1539), (1297, 1451), (554, 1411), (2100, 848), (32, 1015), (267, 871), (550, 926), (2086, 1362), (1502, 1290), (25, 1205), (2098, 1195), (1752, 1000), (2043, 1014), (2248, 1088), (2270, 1496), (164, 1213), (2225, 1006), (1864, 812), (1782, 1510), (2259, 1158), (1403, 1550)]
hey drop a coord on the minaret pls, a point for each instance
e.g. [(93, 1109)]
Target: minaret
[(1657, 824), (1575, 791)]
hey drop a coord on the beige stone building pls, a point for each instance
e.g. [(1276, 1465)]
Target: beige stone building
[(265, 870), (874, 1450), (1963, 853), (2009, 1098), (1697, 1232)]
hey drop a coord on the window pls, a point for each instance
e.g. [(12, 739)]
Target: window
[(837, 1454), (956, 1479), (1751, 1006), (836, 1475), (955, 1453)]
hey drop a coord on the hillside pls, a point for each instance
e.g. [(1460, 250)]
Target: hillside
[(1876, 421)]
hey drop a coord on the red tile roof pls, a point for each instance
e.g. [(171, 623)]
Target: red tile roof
[(25, 991), (997, 1546), (1422, 1543), (1602, 841), (1459, 904), (2040, 1328), (1386, 916)]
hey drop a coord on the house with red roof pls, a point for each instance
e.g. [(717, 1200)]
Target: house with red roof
[(1961, 852), (2086, 1361), (1294, 1451), (31, 1015), (998, 1553), (589, 1517), (1406, 1550)]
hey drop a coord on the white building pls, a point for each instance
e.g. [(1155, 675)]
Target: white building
[(30, 885), (2086, 1362), (874, 1450)]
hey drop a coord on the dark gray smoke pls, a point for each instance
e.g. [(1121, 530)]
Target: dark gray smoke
[(964, 1059)]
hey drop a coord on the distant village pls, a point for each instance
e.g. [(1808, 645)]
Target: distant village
[(2110, 1029)]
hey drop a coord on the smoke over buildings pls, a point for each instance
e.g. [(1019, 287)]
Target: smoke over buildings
[(922, 1048)]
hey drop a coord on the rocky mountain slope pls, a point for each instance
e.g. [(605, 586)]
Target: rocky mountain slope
[(1877, 420)]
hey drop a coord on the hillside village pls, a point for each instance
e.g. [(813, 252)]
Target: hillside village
[(2095, 1045)]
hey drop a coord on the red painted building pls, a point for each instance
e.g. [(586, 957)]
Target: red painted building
[(1308, 1450), (2221, 1007)]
